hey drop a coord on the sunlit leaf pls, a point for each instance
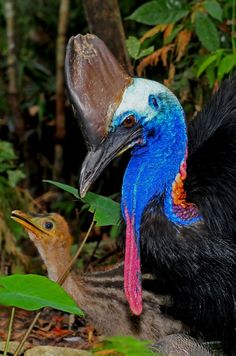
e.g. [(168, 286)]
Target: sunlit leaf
[(133, 46), (226, 65), (32, 292), (206, 63), (207, 32), (106, 211), (146, 52), (210, 72), (214, 9)]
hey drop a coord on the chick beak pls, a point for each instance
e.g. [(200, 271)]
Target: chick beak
[(25, 220)]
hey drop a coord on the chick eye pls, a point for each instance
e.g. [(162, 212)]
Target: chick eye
[(129, 121), (48, 225)]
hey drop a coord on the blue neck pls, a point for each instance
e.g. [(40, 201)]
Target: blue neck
[(153, 168)]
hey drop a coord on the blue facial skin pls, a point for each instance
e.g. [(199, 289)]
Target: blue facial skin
[(155, 162)]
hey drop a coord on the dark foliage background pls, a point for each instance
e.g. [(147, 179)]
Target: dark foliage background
[(188, 45)]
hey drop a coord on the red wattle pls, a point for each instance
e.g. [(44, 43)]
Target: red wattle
[(132, 269)]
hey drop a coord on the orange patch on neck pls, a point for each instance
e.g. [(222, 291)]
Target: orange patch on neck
[(178, 192)]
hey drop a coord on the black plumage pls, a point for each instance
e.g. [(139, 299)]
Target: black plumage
[(199, 270)]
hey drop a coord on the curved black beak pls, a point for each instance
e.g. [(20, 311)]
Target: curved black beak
[(114, 144)]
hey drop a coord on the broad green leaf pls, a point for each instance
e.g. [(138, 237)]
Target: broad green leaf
[(32, 292), (65, 187), (106, 211), (146, 51), (206, 63), (125, 345), (213, 8), (207, 32), (150, 13), (226, 65), (133, 46), (157, 12)]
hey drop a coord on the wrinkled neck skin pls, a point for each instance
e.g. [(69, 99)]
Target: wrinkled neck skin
[(159, 169)]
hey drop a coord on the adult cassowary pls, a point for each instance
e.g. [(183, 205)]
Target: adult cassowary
[(179, 189)]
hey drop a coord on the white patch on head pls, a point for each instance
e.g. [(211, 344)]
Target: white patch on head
[(136, 96)]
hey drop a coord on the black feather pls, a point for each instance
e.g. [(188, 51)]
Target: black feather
[(211, 178), (196, 264)]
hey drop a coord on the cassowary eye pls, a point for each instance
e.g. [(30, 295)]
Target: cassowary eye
[(153, 101), (129, 121), (48, 225)]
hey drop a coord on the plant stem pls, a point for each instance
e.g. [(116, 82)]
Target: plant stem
[(9, 332), (60, 281), (28, 331), (233, 26), (62, 278)]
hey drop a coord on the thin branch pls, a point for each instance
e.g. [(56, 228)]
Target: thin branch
[(62, 279), (9, 331), (60, 85), (28, 331), (12, 91)]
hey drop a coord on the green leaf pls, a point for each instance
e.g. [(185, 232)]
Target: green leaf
[(125, 345), (226, 65), (157, 12), (106, 211), (133, 46), (206, 63), (213, 8), (210, 72), (207, 32), (177, 15), (65, 187), (32, 292), (145, 52)]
